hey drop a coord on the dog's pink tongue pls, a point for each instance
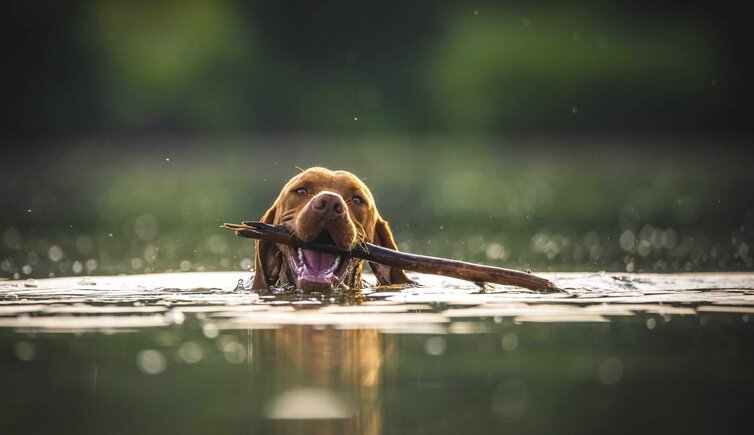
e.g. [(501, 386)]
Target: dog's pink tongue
[(318, 262)]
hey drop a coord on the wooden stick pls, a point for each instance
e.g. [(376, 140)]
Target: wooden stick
[(476, 273)]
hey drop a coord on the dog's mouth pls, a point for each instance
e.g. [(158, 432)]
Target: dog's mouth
[(314, 270)]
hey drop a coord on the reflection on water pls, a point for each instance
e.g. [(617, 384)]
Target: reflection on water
[(330, 375), (191, 353)]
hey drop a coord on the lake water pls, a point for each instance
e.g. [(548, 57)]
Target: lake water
[(196, 353)]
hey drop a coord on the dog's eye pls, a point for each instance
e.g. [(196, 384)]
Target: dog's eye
[(357, 200), (300, 191)]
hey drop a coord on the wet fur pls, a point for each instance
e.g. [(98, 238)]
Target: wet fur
[(360, 223)]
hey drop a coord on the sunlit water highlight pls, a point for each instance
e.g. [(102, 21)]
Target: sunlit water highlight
[(197, 352), (127, 302)]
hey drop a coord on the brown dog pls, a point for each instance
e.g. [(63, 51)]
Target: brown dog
[(329, 207)]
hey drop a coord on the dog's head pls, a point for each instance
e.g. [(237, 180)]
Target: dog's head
[(319, 205)]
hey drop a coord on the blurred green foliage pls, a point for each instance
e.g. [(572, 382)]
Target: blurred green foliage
[(535, 66), (188, 61)]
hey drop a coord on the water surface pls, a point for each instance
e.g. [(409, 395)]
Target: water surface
[(196, 353)]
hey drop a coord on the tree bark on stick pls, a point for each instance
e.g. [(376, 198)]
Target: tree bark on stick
[(476, 273)]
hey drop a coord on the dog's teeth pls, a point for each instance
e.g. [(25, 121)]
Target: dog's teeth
[(337, 263), (300, 255)]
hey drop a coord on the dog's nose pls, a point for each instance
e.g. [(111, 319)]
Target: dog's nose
[(328, 205)]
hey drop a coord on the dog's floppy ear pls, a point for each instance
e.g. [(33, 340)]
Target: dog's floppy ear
[(267, 258), (387, 275)]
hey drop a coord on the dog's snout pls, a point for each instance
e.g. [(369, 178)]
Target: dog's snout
[(328, 205)]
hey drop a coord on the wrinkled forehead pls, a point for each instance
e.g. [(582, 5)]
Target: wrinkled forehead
[(318, 179)]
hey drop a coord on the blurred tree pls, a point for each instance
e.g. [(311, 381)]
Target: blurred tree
[(186, 63), (501, 69)]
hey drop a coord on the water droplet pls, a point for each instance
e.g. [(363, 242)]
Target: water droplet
[(435, 346), (210, 330), (596, 252), (644, 248), (234, 352), (33, 258), (191, 352), (509, 341), (24, 350), (91, 264), (627, 240), (55, 253), (668, 238), (151, 362), (175, 317)]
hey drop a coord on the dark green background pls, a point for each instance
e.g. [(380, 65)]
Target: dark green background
[(511, 133)]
